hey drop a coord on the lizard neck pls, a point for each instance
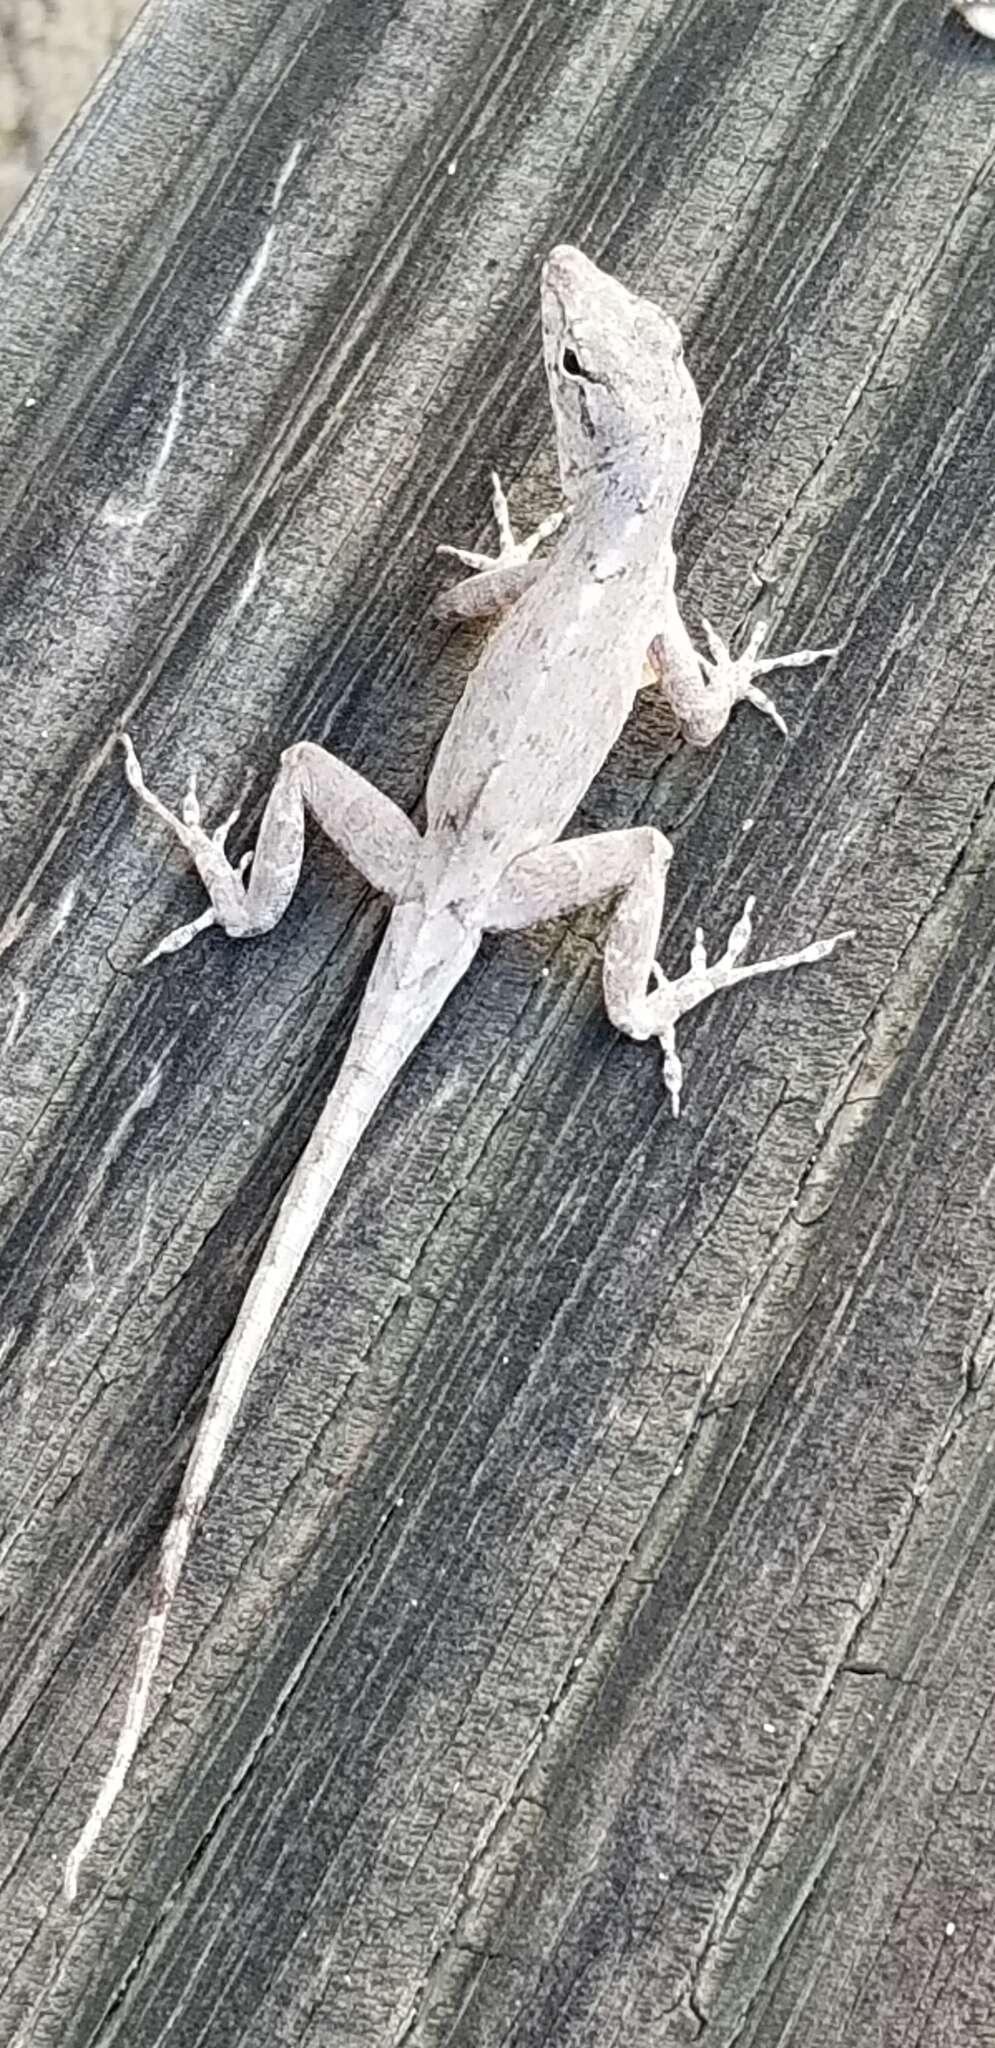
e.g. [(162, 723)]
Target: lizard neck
[(614, 540)]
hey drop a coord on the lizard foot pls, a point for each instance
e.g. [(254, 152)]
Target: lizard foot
[(673, 999), (497, 580), (734, 674), (206, 849)]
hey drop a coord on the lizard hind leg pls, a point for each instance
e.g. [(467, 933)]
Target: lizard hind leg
[(497, 580), (632, 867), (374, 834)]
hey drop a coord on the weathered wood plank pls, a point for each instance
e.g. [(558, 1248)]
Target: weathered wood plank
[(590, 1637)]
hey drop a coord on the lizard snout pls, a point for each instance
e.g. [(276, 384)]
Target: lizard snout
[(567, 270)]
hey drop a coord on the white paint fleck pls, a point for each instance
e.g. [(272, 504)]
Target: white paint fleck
[(748, 824), (14, 924), (300, 469), (252, 581), (950, 1928), (18, 1012), (168, 441), (84, 1284), (143, 1100), (63, 911), (451, 168), (249, 285), (769, 1728), (115, 514), (286, 173), (117, 511)]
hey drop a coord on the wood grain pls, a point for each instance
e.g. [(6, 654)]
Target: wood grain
[(590, 1637)]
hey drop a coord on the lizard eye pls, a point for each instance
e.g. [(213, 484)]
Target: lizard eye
[(571, 364)]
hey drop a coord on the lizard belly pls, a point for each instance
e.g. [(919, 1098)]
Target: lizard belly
[(521, 798)]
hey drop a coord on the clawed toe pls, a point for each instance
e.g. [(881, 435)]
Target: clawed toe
[(673, 999), (136, 781), (735, 674), (220, 834), (175, 941), (496, 580), (183, 827), (207, 849), (511, 551), (468, 556), (190, 810), (188, 828)]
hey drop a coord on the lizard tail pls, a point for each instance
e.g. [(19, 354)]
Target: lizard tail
[(420, 962)]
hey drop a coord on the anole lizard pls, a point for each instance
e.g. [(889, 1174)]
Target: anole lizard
[(581, 635)]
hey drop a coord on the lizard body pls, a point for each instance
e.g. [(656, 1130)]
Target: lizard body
[(544, 706)]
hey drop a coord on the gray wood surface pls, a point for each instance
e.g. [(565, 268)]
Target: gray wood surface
[(590, 1637)]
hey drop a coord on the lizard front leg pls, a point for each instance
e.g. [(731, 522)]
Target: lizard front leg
[(703, 689), (373, 833), (632, 867), (498, 580)]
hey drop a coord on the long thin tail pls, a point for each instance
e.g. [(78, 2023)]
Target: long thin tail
[(418, 965)]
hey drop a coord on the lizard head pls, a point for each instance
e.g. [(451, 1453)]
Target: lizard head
[(628, 417)]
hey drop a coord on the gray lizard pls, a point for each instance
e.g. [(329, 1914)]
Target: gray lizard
[(580, 636)]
